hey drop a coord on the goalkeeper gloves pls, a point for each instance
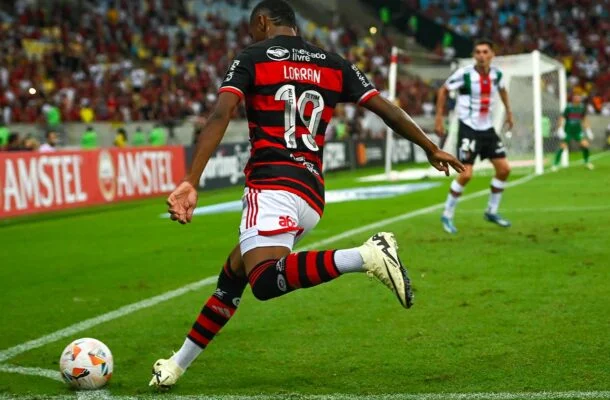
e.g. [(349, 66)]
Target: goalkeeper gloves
[(561, 134)]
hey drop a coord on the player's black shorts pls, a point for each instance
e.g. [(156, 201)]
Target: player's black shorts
[(473, 143)]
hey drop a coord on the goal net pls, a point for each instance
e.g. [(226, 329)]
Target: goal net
[(536, 85)]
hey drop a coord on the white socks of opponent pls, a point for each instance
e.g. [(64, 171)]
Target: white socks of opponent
[(495, 198), (452, 199), (457, 190)]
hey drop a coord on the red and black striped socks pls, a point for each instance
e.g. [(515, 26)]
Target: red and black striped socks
[(216, 312), (274, 278)]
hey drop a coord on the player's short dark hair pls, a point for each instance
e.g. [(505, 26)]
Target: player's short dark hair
[(484, 41), (279, 11)]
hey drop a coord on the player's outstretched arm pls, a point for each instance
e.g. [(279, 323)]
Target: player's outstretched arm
[(402, 124), (183, 200)]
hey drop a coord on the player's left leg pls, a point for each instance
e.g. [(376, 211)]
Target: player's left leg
[(584, 147), (498, 183), (215, 314)]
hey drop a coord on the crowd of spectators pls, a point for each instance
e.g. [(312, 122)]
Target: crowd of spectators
[(576, 32), (163, 60), (124, 60)]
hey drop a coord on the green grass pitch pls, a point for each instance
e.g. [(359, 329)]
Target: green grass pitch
[(522, 309)]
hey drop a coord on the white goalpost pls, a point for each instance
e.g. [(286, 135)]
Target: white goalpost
[(537, 90)]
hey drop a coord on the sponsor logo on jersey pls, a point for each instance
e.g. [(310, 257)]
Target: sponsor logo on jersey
[(278, 53), (232, 70), (365, 82), (307, 56)]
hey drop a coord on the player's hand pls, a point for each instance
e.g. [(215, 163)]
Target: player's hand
[(510, 121), (439, 126), (182, 203), (442, 160)]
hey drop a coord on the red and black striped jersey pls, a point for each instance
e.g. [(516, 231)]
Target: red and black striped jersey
[(291, 89)]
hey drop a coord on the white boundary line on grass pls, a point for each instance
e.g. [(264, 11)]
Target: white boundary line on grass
[(45, 373), (90, 323), (338, 396)]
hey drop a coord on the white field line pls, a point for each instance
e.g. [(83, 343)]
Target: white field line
[(46, 373), (542, 209), (412, 214), (295, 396), (90, 323)]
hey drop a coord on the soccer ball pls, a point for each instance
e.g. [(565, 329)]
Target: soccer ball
[(86, 364)]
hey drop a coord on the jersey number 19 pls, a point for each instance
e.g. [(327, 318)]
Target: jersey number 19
[(287, 93)]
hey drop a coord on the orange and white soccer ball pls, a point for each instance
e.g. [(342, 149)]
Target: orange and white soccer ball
[(86, 364)]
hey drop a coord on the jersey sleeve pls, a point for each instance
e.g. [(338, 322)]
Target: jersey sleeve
[(501, 81), (456, 80), (356, 86), (240, 76)]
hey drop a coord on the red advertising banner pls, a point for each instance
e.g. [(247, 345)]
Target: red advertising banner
[(38, 182)]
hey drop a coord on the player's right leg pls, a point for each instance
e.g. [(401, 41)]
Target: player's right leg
[(455, 192), (215, 314), (467, 150), (273, 271), (584, 147)]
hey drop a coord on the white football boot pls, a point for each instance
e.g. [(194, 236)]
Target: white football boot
[(380, 256), (165, 374)]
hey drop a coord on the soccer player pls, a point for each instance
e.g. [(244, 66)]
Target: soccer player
[(290, 88), (477, 87), (572, 124)]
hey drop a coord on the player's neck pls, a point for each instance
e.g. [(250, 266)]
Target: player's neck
[(281, 31), (483, 70)]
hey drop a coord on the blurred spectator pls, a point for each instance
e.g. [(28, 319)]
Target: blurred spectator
[(138, 138), (30, 143), (157, 136), (89, 139), (51, 142), (120, 139), (14, 143), (86, 113), (4, 134)]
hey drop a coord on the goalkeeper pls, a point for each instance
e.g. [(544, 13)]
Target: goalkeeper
[(573, 125)]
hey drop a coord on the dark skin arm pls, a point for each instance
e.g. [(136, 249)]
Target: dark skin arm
[(183, 200), (401, 123)]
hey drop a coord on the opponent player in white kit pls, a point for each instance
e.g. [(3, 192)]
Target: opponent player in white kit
[(477, 87)]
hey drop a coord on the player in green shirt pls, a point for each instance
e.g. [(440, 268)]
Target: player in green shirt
[(4, 134), (138, 138), (89, 139), (157, 136), (573, 125)]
